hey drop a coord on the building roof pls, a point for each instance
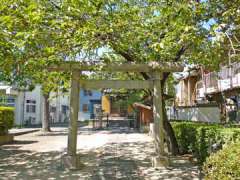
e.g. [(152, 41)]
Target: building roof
[(142, 106), (189, 71)]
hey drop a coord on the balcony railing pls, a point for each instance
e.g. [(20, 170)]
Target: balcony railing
[(227, 78), (210, 82)]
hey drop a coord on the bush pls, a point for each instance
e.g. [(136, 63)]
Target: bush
[(201, 139), (224, 164), (6, 119)]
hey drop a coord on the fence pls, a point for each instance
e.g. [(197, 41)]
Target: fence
[(209, 114)]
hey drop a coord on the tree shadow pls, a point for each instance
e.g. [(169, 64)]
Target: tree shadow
[(123, 160), (134, 161), (18, 142), (90, 131), (22, 165)]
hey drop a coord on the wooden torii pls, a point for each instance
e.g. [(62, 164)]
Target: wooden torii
[(72, 160)]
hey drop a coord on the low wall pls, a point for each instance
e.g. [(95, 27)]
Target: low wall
[(6, 139), (204, 114)]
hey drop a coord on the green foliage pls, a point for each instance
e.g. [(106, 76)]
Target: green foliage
[(199, 138), (35, 34), (226, 30), (6, 119), (224, 164)]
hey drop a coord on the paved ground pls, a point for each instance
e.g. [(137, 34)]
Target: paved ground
[(106, 155)]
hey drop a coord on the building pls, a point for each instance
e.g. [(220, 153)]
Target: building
[(89, 101), (208, 96), (144, 115), (186, 94), (116, 106), (29, 105)]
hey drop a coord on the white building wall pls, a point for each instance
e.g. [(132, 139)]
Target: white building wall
[(83, 116), (19, 108), (21, 114), (58, 101), (36, 95), (203, 114)]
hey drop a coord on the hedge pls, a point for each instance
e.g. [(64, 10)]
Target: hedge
[(201, 139), (224, 164), (6, 119)]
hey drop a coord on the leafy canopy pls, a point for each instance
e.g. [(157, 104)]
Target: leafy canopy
[(34, 34)]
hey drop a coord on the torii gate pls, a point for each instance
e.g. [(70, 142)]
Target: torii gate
[(72, 160)]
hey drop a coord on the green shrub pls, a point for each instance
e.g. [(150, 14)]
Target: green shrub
[(6, 119), (201, 139), (224, 164)]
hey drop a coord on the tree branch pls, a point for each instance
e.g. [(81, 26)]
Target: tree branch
[(231, 43), (56, 6), (180, 53)]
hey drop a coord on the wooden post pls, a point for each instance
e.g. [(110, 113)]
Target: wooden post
[(161, 159), (72, 160), (189, 94)]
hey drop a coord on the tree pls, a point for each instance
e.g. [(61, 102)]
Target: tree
[(56, 82), (226, 17), (132, 30), (143, 31), (28, 42)]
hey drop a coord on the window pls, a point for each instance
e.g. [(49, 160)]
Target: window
[(10, 100), (85, 108), (30, 120), (31, 101), (31, 106), (64, 109), (87, 93), (7, 101), (53, 109)]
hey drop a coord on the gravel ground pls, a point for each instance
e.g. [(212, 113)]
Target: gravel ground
[(105, 155)]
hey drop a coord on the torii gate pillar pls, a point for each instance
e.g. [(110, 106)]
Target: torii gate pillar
[(161, 158), (71, 160)]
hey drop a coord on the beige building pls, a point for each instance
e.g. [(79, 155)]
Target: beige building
[(210, 93)]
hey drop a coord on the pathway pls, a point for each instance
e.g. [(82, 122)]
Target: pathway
[(106, 155)]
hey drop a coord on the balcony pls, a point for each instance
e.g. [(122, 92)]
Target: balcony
[(8, 90), (228, 78)]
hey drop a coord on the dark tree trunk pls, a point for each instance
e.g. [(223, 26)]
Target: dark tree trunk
[(45, 121), (169, 133), (170, 136), (221, 101)]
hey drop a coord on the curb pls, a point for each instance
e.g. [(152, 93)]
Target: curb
[(24, 132)]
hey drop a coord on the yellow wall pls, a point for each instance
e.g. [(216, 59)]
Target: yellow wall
[(106, 104), (130, 109)]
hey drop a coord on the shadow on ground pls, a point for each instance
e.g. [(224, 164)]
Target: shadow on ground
[(113, 161), (89, 131)]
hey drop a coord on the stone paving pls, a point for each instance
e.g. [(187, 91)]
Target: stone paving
[(105, 155)]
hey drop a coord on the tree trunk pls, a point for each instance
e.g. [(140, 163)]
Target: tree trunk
[(45, 121), (170, 135)]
